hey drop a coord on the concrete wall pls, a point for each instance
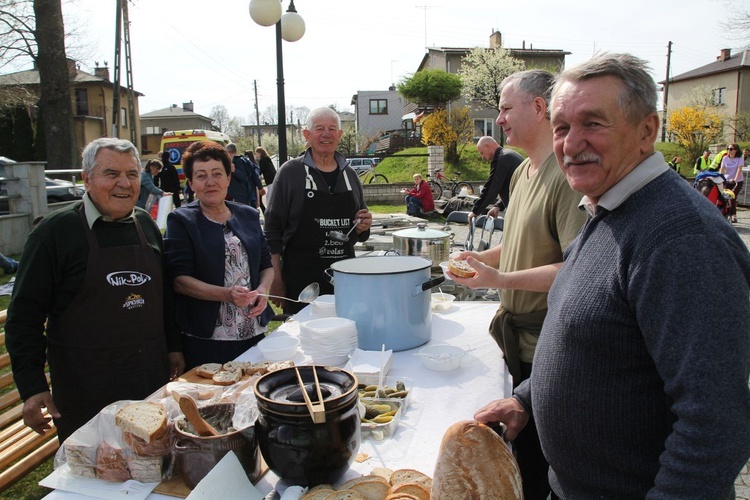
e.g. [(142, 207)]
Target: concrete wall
[(25, 183)]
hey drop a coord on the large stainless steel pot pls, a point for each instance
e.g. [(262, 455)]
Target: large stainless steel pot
[(423, 242), (388, 298)]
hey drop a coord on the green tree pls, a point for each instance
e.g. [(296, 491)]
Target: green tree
[(431, 87), (483, 71), (451, 129), (740, 123)]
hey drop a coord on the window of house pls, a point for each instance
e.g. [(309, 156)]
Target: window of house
[(482, 127), (82, 102), (153, 131), (123, 117), (378, 106), (720, 96)]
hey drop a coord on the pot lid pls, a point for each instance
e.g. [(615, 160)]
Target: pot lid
[(282, 387), (421, 232), (386, 264)]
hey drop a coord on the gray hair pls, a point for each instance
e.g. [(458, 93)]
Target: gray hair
[(119, 145), (638, 95), (320, 113), (231, 147), (534, 82)]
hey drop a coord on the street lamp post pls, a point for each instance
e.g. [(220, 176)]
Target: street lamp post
[(290, 27)]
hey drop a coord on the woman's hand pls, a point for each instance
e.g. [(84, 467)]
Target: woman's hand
[(260, 304), (241, 296)]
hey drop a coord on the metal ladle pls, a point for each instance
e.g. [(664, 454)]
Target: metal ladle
[(306, 296), (339, 236)]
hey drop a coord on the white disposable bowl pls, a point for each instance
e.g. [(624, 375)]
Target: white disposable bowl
[(441, 357), (441, 301), (278, 348)]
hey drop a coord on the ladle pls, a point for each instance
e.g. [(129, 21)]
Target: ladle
[(339, 236), (190, 409), (306, 296)]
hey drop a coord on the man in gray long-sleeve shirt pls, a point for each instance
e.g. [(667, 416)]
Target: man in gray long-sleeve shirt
[(640, 380)]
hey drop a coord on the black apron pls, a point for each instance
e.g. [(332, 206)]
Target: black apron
[(310, 251), (109, 344)]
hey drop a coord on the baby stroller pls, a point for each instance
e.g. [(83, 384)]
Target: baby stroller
[(711, 185)]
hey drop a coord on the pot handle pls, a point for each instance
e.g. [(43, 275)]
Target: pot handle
[(185, 447), (427, 285), (329, 275)]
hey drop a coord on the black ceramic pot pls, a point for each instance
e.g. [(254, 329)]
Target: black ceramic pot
[(200, 454), (296, 449)]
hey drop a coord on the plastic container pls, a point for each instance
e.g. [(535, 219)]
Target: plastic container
[(441, 301), (278, 348), (392, 382), (441, 357), (376, 431)]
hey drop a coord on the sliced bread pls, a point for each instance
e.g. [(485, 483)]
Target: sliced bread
[(403, 476), (208, 370), (362, 479), (372, 490), (413, 489), (145, 420), (227, 377)]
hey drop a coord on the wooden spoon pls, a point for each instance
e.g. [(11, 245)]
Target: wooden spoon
[(190, 409)]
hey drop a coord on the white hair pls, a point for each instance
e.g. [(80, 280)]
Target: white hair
[(92, 149), (320, 113)]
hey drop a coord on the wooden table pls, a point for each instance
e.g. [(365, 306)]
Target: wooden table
[(439, 399)]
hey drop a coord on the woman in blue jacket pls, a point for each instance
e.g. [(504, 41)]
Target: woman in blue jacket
[(219, 263)]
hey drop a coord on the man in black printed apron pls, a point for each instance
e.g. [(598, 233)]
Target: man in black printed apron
[(318, 194), (101, 265)]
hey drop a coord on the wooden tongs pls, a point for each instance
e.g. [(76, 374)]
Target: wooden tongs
[(317, 410)]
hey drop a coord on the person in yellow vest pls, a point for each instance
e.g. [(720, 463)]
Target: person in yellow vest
[(716, 162), (702, 163)]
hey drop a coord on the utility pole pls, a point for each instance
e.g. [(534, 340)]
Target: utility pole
[(257, 113), (123, 27), (666, 95)]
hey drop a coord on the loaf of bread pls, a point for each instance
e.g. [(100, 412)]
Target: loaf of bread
[(461, 269), (146, 420), (473, 463), (111, 464)]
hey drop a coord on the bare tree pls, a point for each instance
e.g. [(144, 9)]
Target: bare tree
[(737, 24), (35, 29), (220, 117)]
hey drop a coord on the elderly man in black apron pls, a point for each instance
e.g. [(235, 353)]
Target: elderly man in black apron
[(94, 273), (314, 195)]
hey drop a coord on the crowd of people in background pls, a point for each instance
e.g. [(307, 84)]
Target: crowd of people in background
[(620, 390)]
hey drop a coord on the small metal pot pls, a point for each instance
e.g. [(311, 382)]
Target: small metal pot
[(422, 242)]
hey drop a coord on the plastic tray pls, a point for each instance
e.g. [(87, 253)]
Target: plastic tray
[(389, 381), (378, 432)]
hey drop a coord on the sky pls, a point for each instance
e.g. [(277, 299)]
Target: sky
[(211, 52)]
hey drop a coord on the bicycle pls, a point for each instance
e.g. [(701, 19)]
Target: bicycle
[(367, 175), (442, 183)]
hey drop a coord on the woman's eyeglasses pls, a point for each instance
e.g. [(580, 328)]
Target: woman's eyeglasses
[(731, 149)]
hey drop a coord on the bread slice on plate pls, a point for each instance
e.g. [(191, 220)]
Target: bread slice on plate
[(233, 365), (316, 493), (383, 472), (145, 420), (208, 370), (345, 495)]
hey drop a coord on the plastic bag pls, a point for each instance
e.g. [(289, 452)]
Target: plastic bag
[(100, 449)]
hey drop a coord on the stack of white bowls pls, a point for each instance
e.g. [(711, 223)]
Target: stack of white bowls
[(328, 341), (324, 306)]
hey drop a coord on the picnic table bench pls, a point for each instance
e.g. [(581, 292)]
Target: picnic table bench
[(21, 449)]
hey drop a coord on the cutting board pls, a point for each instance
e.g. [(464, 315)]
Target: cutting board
[(176, 486), (193, 377)]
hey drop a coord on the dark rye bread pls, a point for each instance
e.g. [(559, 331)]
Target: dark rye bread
[(475, 463)]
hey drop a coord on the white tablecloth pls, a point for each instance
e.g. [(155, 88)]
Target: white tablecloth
[(439, 399)]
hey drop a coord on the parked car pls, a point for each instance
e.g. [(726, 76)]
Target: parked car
[(57, 190), (362, 163)]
